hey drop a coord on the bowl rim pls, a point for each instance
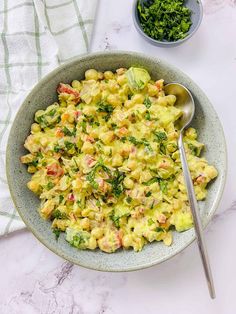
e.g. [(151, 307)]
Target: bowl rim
[(165, 43), (51, 246)]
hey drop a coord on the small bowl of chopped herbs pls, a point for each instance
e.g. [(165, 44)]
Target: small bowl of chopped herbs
[(167, 23)]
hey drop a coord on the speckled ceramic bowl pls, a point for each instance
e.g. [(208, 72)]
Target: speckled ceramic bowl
[(197, 12), (43, 94)]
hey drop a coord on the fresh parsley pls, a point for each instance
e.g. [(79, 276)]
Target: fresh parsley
[(68, 132), (162, 183), (168, 20), (193, 149), (57, 232), (116, 182), (160, 136), (147, 102), (58, 214), (105, 108), (129, 199)]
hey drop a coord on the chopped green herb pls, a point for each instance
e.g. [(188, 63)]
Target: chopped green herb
[(163, 186), (84, 126), (130, 96), (91, 179), (123, 139), (152, 205), (69, 145), (161, 136), (33, 163), (57, 232), (91, 175), (78, 239), (61, 198), (129, 199), (163, 183), (167, 20), (115, 219), (193, 149), (162, 148), (52, 112), (116, 182), (105, 108), (136, 142), (159, 229), (151, 181), (147, 102), (58, 214), (57, 148), (114, 126), (41, 121), (148, 116), (149, 193), (39, 155), (150, 221), (50, 185), (67, 132)]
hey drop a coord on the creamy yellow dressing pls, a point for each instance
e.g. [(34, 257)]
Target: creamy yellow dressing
[(105, 163)]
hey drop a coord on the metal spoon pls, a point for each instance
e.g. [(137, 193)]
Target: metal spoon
[(185, 102)]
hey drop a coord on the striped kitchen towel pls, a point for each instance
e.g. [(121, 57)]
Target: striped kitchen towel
[(36, 36)]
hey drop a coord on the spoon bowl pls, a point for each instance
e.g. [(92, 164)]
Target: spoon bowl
[(184, 101)]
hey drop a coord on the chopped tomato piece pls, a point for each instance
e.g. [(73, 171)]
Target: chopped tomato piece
[(90, 139), (71, 197), (90, 161), (67, 89), (54, 170), (78, 113)]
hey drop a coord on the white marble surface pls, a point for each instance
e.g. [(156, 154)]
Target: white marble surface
[(34, 280)]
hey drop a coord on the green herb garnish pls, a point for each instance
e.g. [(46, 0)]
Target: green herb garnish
[(147, 102), (148, 116), (52, 112), (162, 149), (150, 221), (149, 193), (137, 142), (115, 219), (159, 229), (160, 136), (116, 182), (84, 126), (61, 198), (105, 108), (194, 150), (167, 20), (68, 145), (50, 185), (57, 148), (57, 232), (129, 199), (58, 215), (67, 132), (163, 183), (163, 186)]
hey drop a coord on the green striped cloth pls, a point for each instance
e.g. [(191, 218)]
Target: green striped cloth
[(36, 36)]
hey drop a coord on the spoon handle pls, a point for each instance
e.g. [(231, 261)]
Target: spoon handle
[(196, 217)]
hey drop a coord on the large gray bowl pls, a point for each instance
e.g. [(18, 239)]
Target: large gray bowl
[(44, 93), (197, 13)]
